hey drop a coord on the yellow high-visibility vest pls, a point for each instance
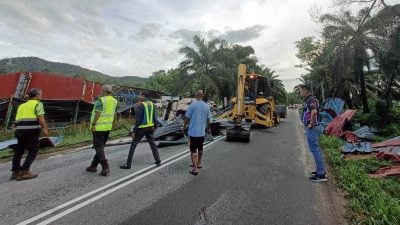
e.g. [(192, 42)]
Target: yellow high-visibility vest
[(26, 117), (148, 115), (106, 119)]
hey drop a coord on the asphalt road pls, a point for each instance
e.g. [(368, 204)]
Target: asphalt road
[(261, 182)]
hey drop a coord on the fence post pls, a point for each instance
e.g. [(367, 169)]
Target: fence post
[(8, 115), (76, 112)]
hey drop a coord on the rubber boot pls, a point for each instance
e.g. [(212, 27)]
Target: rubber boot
[(93, 167), (105, 169), (14, 174), (26, 175)]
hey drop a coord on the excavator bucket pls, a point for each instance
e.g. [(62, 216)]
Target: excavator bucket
[(238, 133)]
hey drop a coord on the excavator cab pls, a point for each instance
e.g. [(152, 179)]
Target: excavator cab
[(252, 105)]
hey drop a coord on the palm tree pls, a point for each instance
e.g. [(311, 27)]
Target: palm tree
[(347, 33), (385, 43), (200, 65)]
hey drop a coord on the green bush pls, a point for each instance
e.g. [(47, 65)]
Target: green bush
[(372, 201)]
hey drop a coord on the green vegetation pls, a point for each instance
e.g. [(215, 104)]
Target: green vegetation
[(74, 136), (387, 120), (372, 201)]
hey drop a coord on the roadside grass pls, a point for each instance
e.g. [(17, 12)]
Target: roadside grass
[(371, 201), (74, 136)]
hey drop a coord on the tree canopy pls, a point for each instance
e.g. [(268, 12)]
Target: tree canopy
[(358, 56), (211, 65)]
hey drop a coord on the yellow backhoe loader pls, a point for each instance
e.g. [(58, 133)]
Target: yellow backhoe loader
[(252, 105)]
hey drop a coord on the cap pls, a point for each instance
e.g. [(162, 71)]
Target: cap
[(34, 92), (107, 88)]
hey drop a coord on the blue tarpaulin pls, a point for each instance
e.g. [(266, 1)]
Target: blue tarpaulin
[(331, 108), (364, 147), (365, 132)]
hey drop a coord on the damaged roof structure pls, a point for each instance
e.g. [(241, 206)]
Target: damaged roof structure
[(66, 99)]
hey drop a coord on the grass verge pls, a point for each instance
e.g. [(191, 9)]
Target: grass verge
[(371, 201), (74, 136)]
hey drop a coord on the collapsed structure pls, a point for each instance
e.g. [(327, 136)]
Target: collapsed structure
[(66, 99)]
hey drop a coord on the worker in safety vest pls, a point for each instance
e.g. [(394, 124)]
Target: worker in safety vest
[(29, 124), (145, 125), (102, 121)]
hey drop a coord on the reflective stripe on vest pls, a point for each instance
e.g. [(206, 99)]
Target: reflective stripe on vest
[(105, 121), (26, 117), (148, 118)]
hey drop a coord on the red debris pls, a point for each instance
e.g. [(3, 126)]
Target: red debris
[(388, 156), (386, 171), (387, 143), (351, 137), (335, 127)]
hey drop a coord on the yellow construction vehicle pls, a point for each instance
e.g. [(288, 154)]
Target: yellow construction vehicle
[(250, 106)]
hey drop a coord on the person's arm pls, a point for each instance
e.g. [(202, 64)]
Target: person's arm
[(155, 117), (114, 125), (39, 110), (209, 121), (43, 124), (98, 108), (187, 117), (313, 118), (313, 114), (96, 117), (208, 126), (185, 122)]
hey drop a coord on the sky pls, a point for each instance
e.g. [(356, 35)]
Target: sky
[(139, 37)]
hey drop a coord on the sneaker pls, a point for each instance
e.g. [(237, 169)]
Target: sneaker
[(26, 175), (317, 178), (158, 163), (14, 175), (315, 173), (125, 167)]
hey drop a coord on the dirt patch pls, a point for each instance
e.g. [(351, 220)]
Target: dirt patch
[(333, 202)]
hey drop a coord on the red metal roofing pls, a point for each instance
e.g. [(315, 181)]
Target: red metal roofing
[(53, 86)]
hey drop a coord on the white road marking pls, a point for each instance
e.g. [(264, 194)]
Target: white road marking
[(97, 197)]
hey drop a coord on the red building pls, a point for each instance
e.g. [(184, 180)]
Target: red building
[(55, 87), (66, 99)]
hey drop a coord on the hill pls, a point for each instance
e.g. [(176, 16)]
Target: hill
[(35, 64)]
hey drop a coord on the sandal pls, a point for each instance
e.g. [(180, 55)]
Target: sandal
[(199, 167), (195, 173)]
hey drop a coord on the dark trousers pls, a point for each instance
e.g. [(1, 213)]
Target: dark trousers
[(29, 140), (139, 134), (99, 141)]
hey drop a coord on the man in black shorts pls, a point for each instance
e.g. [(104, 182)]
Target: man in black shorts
[(198, 117)]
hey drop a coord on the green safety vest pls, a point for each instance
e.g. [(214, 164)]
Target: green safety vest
[(148, 118), (105, 121), (26, 117)]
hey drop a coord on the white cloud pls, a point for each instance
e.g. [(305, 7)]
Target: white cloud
[(123, 37)]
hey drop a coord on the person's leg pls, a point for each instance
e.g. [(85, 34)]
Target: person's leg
[(313, 143), (18, 152), (135, 141), (95, 162), (194, 155), (150, 139), (200, 152), (31, 141), (98, 144), (99, 140), (32, 145)]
